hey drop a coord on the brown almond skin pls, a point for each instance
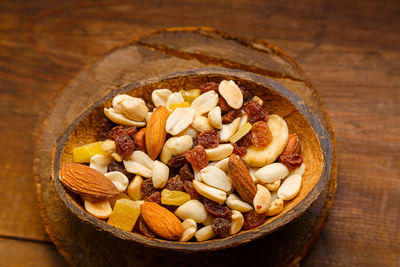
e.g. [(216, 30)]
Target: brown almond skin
[(241, 179), (161, 221), (86, 181), (155, 132)]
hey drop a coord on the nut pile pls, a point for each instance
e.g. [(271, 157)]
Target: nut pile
[(203, 163)]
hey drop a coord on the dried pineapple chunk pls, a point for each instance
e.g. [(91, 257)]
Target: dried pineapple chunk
[(83, 153), (190, 95), (172, 107), (241, 132), (124, 214)]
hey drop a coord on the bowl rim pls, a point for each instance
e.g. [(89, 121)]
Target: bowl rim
[(320, 131)]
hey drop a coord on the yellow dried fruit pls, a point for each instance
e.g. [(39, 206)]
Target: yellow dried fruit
[(83, 153), (241, 132), (176, 198), (124, 214), (190, 95), (172, 107)]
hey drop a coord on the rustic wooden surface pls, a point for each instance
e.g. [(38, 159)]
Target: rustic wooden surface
[(349, 50)]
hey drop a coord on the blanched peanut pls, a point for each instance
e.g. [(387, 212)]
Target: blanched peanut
[(222, 164), (118, 179), (256, 157), (229, 129), (236, 203), (273, 186), (201, 123), (166, 153), (243, 120), (252, 174), (160, 97), (231, 93), (220, 152), (109, 146), (135, 188), (258, 100), (209, 192), (300, 170), (134, 109), (160, 174), (101, 209), (119, 118), (290, 187), (208, 221), (179, 120), (189, 131), (215, 118), (180, 144), (193, 209), (139, 163), (117, 100), (205, 102), (117, 157), (174, 98), (216, 177), (276, 207), (99, 163), (204, 233), (262, 200), (237, 222), (272, 172), (189, 229)]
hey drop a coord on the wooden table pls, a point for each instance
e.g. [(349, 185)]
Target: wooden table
[(349, 49)]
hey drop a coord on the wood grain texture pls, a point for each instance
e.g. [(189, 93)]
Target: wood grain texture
[(349, 50)]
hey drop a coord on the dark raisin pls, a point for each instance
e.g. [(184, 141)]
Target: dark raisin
[(189, 188), (119, 130), (247, 96), (186, 172), (245, 141), (197, 157), (119, 167), (209, 139), (177, 161), (261, 135), (154, 197), (255, 111), (225, 108), (231, 115), (217, 210), (148, 188), (150, 105), (292, 161), (253, 220), (139, 140), (195, 142), (240, 151), (175, 184), (125, 145), (205, 87), (221, 227), (101, 132), (144, 229)]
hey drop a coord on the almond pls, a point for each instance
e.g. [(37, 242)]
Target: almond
[(86, 181), (155, 131), (161, 221), (241, 179)]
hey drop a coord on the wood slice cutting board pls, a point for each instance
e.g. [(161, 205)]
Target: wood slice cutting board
[(160, 53)]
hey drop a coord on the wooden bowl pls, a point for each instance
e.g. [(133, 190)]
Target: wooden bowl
[(316, 150)]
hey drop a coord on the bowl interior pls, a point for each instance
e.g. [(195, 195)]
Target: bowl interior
[(277, 100)]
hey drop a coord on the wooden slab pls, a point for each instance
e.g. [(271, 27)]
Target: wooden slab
[(158, 54)]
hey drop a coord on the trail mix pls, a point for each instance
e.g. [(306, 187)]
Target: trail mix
[(198, 164)]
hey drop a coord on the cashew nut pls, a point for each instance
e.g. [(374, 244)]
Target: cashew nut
[(100, 163), (259, 157)]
